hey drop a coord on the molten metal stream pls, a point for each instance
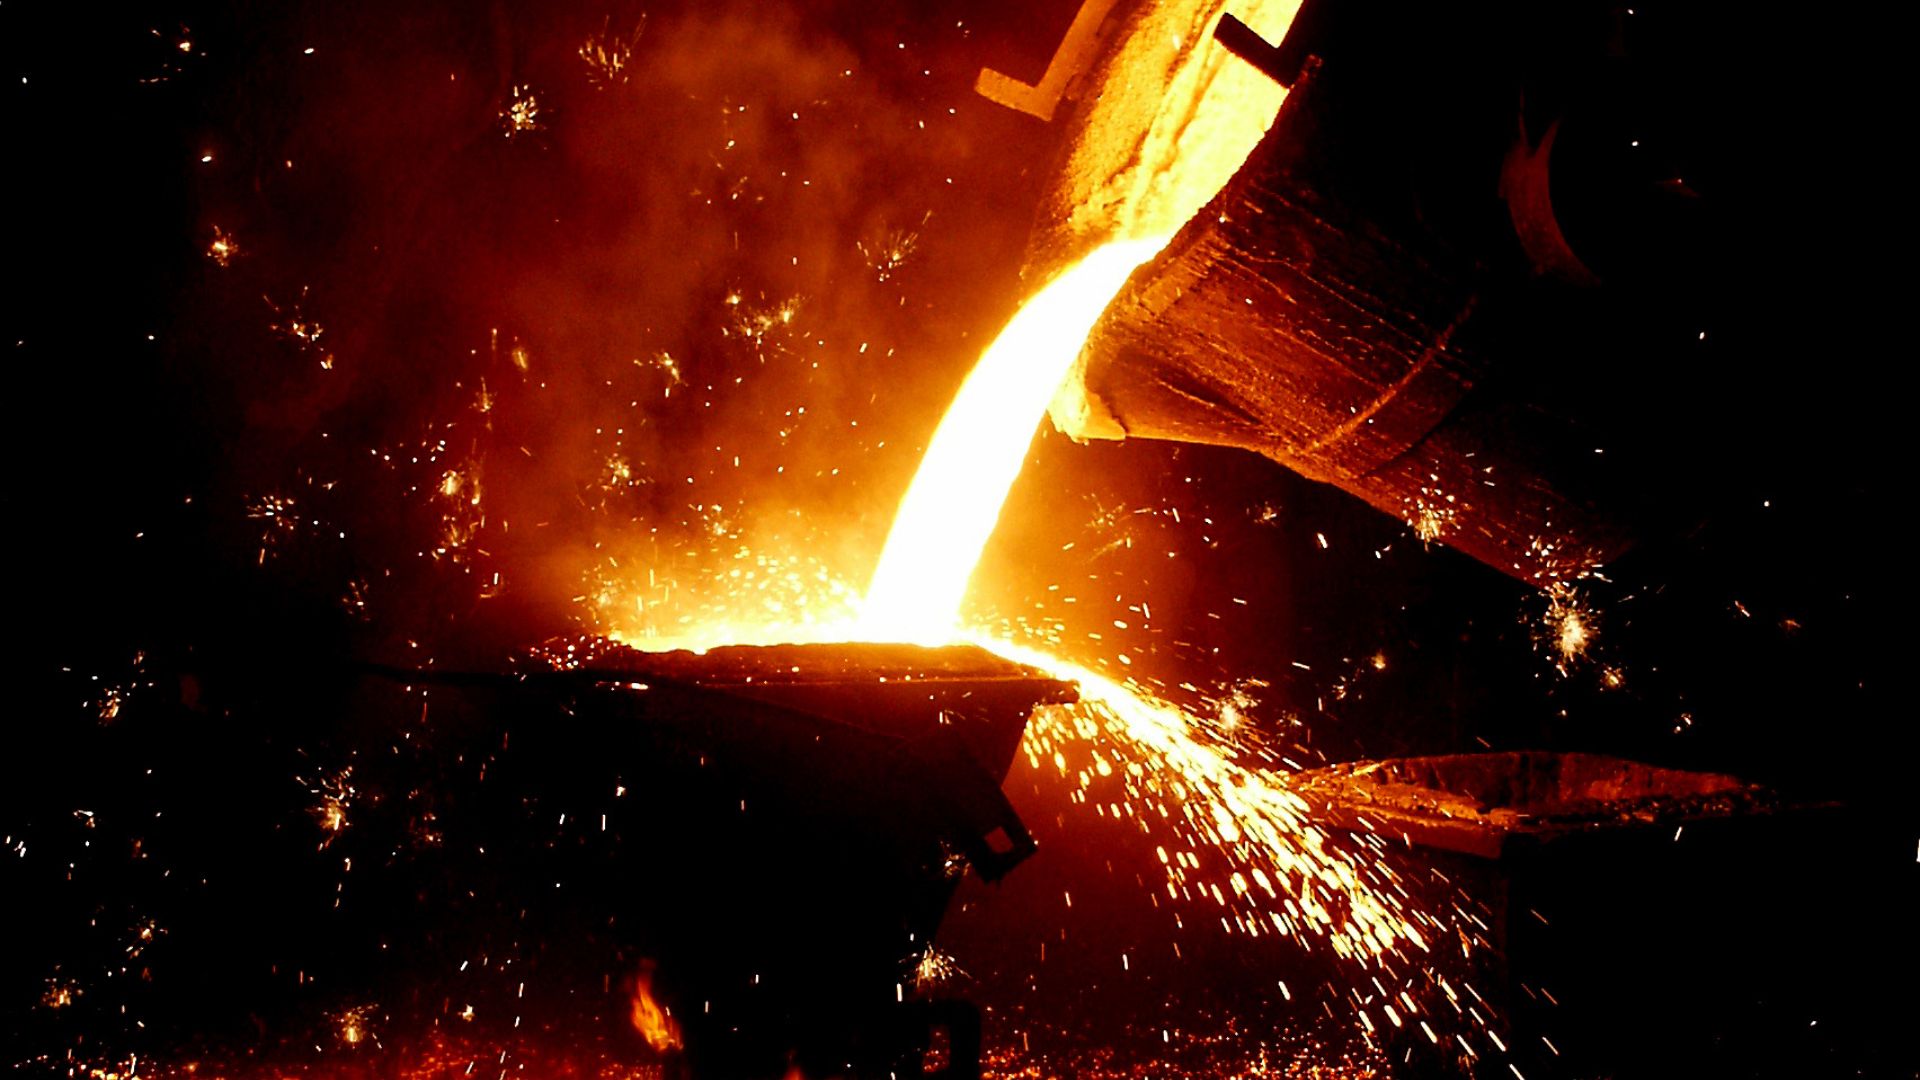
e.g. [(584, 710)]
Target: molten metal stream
[(954, 502)]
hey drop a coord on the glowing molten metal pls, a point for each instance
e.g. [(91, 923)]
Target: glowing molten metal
[(954, 502)]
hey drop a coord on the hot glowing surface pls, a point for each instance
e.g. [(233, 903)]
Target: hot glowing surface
[(976, 453)]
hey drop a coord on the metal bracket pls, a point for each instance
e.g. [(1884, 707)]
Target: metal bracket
[(1040, 99)]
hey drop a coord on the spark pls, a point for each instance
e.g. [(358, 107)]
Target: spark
[(607, 54), (1568, 627), (664, 363), (224, 248), (693, 600), (755, 324), (301, 329), (334, 795), (354, 599), (516, 351), (935, 969), (1553, 561), (278, 518), (145, 933), (351, 1027), (1431, 513), (889, 251), (462, 516), (522, 114)]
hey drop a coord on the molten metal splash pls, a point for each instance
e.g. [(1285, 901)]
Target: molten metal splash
[(976, 454)]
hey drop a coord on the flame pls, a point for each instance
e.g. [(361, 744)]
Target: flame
[(650, 1018), (954, 502)]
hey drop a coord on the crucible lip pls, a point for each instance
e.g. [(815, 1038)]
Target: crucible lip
[(833, 663), (959, 698)]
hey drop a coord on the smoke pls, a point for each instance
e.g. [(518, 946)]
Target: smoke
[(537, 309)]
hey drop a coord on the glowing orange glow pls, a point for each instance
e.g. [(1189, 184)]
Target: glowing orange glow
[(650, 1018), (976, 453)]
